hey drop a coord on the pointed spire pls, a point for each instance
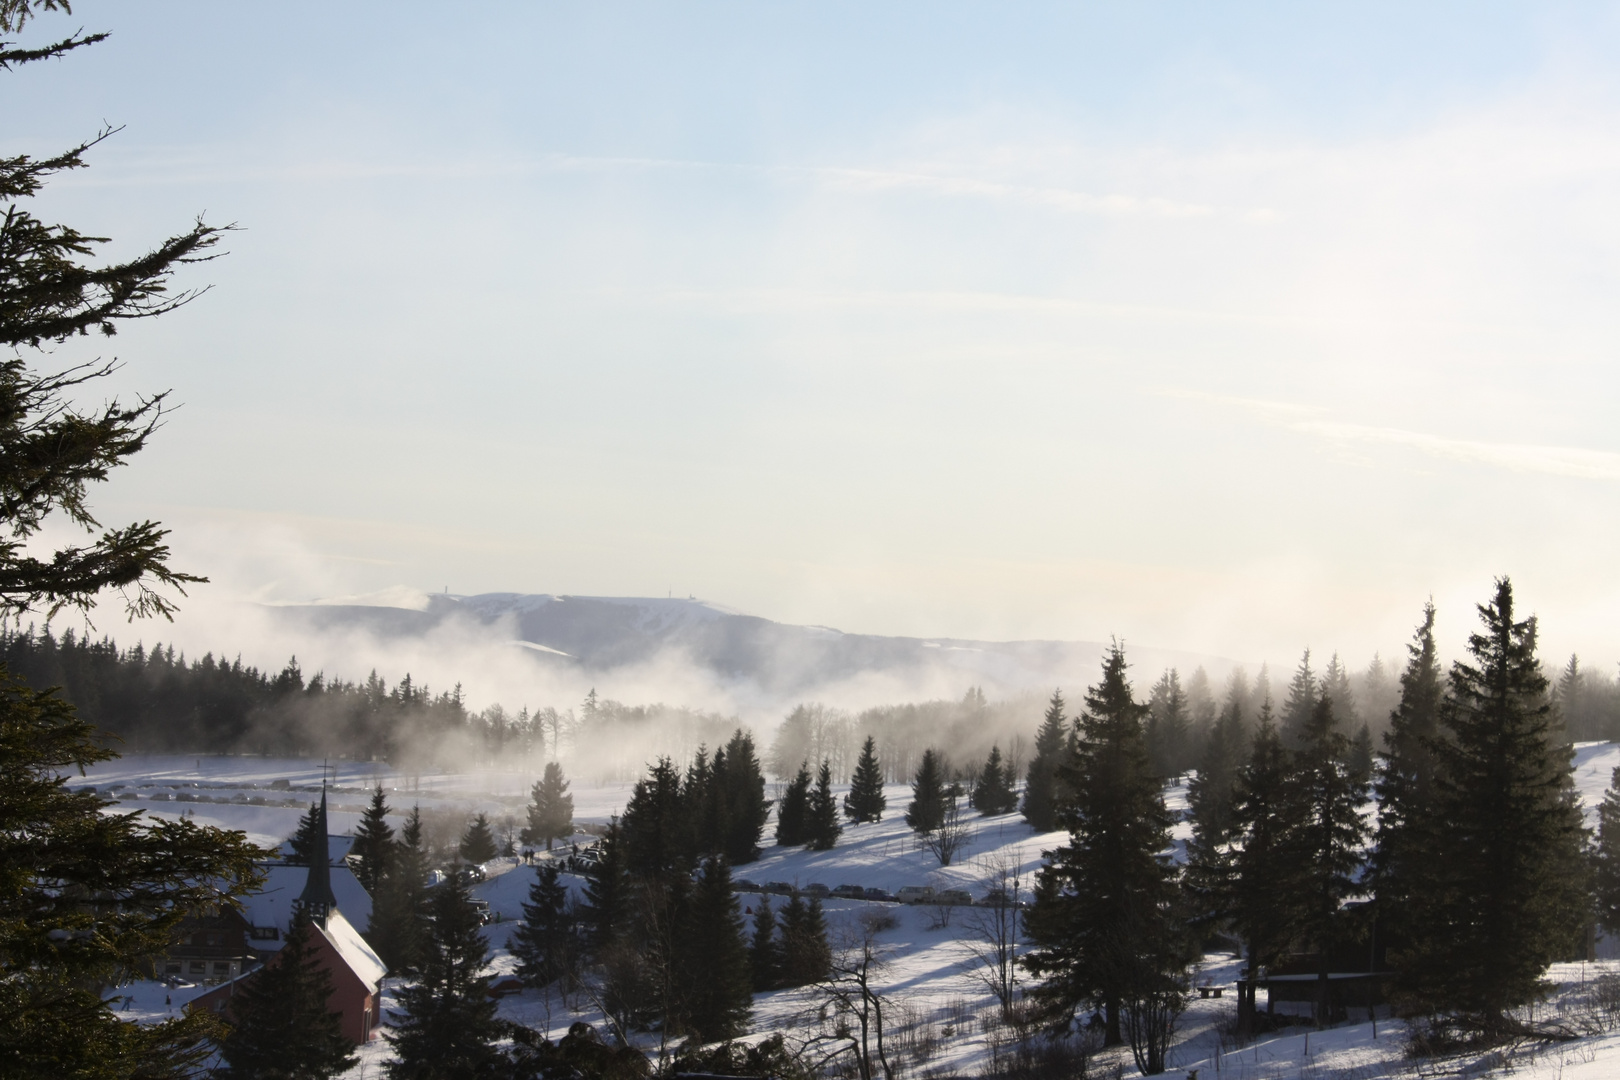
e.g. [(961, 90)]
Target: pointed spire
[(317, 899)]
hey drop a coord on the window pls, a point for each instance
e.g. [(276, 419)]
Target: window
[(199, 968), (265, 933)]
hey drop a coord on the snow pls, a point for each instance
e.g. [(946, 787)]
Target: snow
[(272, 905), (945, 1019), (361, 957)]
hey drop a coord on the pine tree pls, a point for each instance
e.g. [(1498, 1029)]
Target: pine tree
[(304, 841), (447, 1025), (712, 961), (545, 943), (792, 817), (398, 929), (657, 827), (1210, 797), (373, 843), (927, 810), (742, 785), (994, 793), (1335, 686), (1167, 723), (607, 890), (1041, 792), (1360, 759), (551, 809), (1265, 874), (1505, 897), (822, 828), (1303, 691), (1407, 784), (1606, 872), (1102, 924), (1328, 838), (806, 957), (865, 802), (478, 842), (765, 952), (281, 1025)]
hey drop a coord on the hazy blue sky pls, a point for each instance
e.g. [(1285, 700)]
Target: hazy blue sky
[(1232, 327)]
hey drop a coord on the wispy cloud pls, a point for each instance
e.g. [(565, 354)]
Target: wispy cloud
[(1572, 461)]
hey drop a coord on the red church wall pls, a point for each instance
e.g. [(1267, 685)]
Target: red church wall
[(351, 998)]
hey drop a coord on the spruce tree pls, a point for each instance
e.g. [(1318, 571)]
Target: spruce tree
[(1167, 726), (657, 827), (994, 794), (1407, 785), (1505, 899), (398, 927), (1302, 694), (1335, 686), (607, 890), (446, 1026), (712, 961), (765, 952), (927, 810), (1327, 839), (865, 802), (478, 842), (1210, 797), (792, 817), (1102, 923), (304, 840), (1606, 872), (551, 809), (281, 1025), (1264, 880), (746, 807), (544, 943), (1041, 792), (1360, 757), (806, 957), (822, 828), (373, 843)]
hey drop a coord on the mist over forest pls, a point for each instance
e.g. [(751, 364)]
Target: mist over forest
[(157, 699)]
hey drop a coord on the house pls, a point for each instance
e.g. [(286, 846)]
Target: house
[(356, 970), (211, 948)]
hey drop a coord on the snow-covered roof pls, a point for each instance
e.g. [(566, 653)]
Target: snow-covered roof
[(360, 957), (272, 905)]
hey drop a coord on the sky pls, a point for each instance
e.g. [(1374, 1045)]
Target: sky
[(1230, 328)]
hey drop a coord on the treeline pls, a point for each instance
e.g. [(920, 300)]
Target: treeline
[(1477, 874), (157, 700)]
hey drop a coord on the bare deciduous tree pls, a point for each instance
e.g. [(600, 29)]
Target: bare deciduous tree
[(993, 930), (951, 838), (849, 1000)]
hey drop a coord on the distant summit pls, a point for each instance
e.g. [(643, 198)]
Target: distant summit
[(592, 634)]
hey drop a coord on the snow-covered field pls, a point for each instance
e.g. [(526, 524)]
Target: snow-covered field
[(947, 1017)]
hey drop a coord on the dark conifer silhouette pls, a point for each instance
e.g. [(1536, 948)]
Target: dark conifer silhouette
[(551, 809), (793, 816), (712, 961), (1042, 795), (994, 794), (446, 1025), (373, 848), (865, 802), (478, 842), (281, 1025), (927, 810), (1102, 922), (545, 943), (765, 952), (821, 826)]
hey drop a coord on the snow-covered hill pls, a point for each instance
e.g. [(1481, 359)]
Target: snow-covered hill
[(601, 634), (945, 1021)]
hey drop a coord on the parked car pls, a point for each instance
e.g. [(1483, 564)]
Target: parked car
[(953, 896), (816, 888), (482, 907), (780, 888), (915, 894), (744, 885), (850, 892), (879, 895)]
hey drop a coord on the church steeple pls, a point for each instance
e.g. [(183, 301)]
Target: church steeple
[(317, 899)]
